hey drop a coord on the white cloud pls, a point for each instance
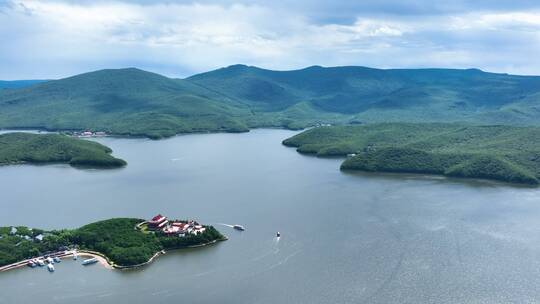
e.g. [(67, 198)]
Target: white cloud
[(53, 39)]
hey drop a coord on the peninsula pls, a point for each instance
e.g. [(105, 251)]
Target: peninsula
[(16, 148), (504, 153), (122, 242)]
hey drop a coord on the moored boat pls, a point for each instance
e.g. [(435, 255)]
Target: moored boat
[(56, 259), (40, 262), (31, 264), (89, 261), (50, 267)]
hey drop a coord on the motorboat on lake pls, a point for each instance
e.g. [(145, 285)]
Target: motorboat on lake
[(31, 264), (278, 234), (239, 227), (50, 267), (56, 259), (40, 262)]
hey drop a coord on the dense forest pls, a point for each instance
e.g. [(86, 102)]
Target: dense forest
[(54, 148), (505, 153), (116, 238), (237, 98)]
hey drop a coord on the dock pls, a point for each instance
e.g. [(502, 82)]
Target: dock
[(60, 254)]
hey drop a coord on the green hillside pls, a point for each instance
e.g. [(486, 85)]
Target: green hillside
[(115, 238), (359, 94), (53, 148), (124, 102), (236, 98), (505, 153)]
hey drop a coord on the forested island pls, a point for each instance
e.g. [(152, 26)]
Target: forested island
[(133, 102), (20, 147), (503, 153), (118, 239)]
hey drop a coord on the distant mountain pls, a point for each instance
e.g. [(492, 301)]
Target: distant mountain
[(239, 97), (15, 84), (375, 95), (125, 101)]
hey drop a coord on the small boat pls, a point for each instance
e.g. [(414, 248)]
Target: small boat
[(50, 267), (50, 260), (57, 259), (239, 227), (40, 262), (31, 264), (90, 261), (278, 234), (75, 255)]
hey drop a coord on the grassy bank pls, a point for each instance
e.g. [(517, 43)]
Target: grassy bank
[(504, 153), (54, 148), (117, 239)]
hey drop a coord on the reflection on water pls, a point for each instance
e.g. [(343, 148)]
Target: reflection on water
[(345, 238)]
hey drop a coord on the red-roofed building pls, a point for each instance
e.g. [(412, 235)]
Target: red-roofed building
[(181, 225), (158, 222)]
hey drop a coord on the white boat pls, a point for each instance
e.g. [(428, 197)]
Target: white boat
[(50, 260), (239, 227), (75, 255), (40, 262), (90, 261), (278, 234), (56, 259), (50, 267), (31, 264)]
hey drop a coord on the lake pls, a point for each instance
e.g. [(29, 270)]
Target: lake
[(346, 238)]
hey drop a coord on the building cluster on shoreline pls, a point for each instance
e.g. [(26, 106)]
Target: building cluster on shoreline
[(175, 227), (13, 231), (89, 134)]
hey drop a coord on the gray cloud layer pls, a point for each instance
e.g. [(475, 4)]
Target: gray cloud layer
[(50, 39)]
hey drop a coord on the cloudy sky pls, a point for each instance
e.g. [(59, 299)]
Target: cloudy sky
[(53, 39)]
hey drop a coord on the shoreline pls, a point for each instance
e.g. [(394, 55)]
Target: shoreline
[(164, 252), (23, 263), (45, 163), (103, 259), (463, 179), (141, 136), (353, 171)]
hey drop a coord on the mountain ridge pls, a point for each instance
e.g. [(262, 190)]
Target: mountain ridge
[(132, 101)]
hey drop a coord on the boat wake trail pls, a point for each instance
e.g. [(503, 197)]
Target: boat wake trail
[(283, 261), (231, 226), (276, 251)]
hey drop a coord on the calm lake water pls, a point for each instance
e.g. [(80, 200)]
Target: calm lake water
[(346, 238)]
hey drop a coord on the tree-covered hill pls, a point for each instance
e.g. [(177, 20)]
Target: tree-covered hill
[(54, 148), (375, 95), (115, 238), (126, 102), (506, 153), (239, 97)]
